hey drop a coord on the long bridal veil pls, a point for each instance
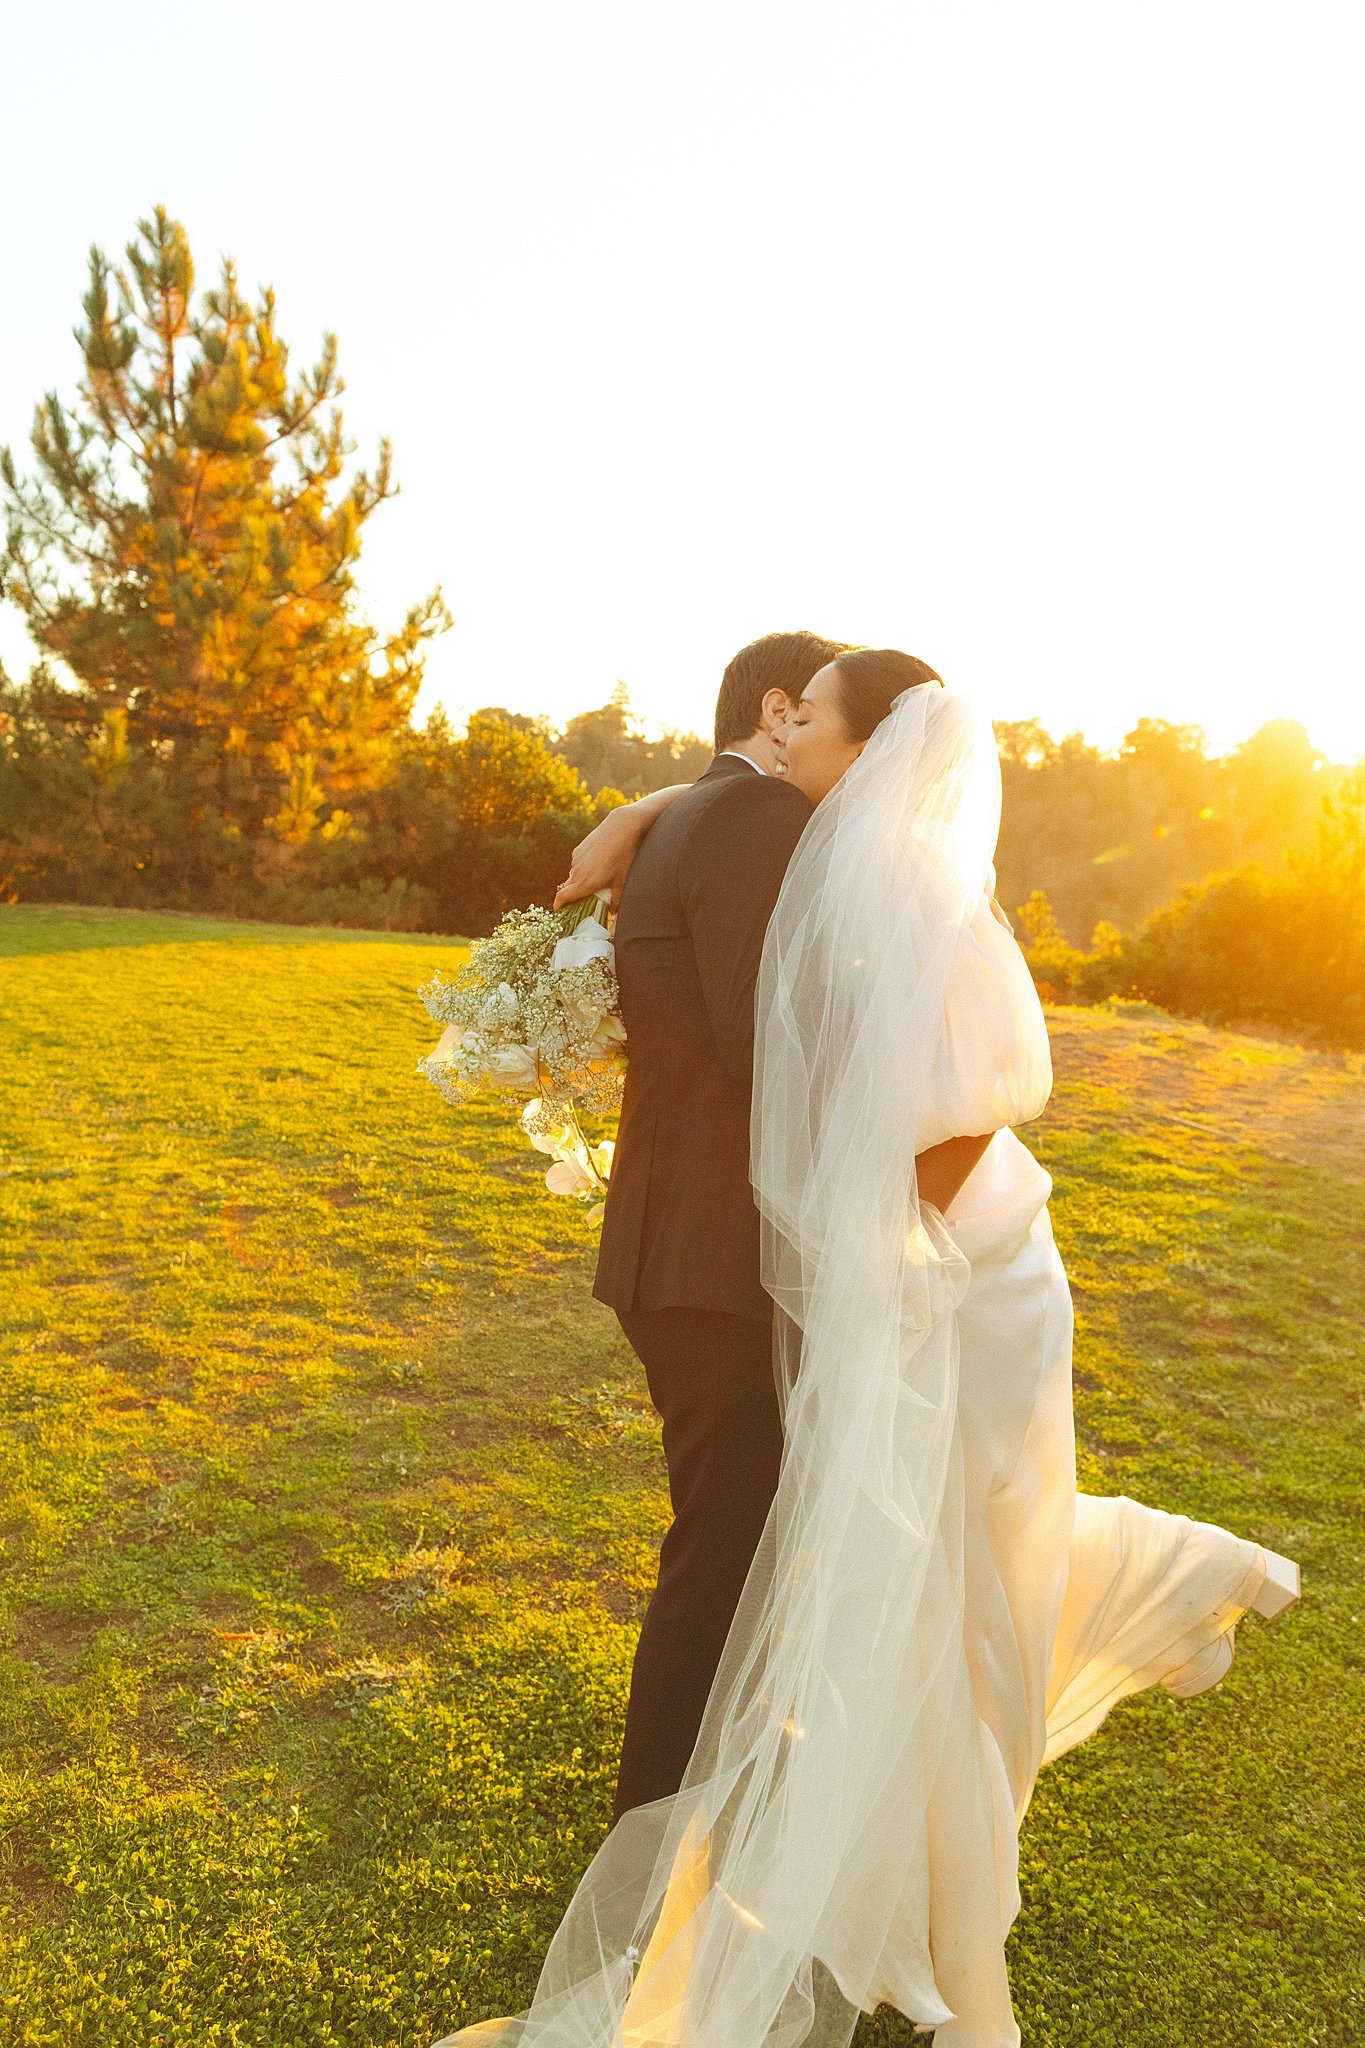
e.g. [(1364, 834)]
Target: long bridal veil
[(839, 1799)]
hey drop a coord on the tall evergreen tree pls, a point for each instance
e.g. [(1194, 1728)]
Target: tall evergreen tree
[(187, 547)]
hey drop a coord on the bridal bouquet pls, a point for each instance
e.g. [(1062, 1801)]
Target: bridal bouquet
[(533, 1013)]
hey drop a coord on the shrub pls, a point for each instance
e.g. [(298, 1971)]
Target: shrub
[(1063, 972), (462, 828), (1250, 947), (1240, 948)]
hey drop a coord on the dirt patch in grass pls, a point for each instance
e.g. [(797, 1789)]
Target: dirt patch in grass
[(1287, 1101)]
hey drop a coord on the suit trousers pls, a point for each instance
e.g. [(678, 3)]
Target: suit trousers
[(710, 1377)]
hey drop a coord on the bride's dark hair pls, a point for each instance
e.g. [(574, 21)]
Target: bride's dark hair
[(870, 680)]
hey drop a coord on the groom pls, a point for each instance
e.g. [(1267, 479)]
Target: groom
[(679, 1250)]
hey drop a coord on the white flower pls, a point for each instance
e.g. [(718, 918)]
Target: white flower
[(447, 1045), (597, 1212), (550, 1138), (602, 1156), (499, 1009), (570, 1177), (601, 1030), (512, 1067), (609, 1036)]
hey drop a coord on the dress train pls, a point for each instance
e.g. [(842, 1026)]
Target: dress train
[(1072, 1601)]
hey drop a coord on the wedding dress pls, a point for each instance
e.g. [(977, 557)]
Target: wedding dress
[(933, 1611), (1071, 1602)]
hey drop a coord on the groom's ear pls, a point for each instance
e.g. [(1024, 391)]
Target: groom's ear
[(774, 709)]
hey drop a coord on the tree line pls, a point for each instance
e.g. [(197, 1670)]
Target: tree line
[(212, 723), (1229, 887)]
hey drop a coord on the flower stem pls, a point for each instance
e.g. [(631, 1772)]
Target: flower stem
[(587, 906), (585, 1148)]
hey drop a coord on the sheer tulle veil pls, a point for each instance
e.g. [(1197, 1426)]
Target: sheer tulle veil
[(801, 1866)]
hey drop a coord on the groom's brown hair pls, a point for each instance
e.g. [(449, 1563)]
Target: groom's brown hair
[(779, 661)]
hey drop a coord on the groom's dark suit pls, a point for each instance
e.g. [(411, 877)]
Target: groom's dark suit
[(679, 1252)]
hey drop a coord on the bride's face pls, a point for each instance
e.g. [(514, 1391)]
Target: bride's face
[(812, 745)]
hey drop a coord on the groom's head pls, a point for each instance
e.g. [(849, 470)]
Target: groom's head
[(763, 683)]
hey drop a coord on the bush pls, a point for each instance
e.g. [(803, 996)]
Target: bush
[(461, 829), (1063, 972), (1255, 948), (1240, 948)]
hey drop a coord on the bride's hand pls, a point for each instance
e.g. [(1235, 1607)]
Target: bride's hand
[(603, 860), (600, 862)]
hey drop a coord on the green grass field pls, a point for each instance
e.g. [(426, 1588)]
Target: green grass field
[(329, 1503)]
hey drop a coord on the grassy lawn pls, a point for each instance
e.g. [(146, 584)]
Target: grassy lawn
[(329, 1502)]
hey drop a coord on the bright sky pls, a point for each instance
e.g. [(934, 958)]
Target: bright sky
[(1024, 335)]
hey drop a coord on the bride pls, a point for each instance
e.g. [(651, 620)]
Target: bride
[(933, 1611)]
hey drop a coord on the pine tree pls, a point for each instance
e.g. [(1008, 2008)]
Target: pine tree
[(187, 548)]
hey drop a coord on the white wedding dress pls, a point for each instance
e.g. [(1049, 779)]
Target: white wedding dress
[(934, 1611), (1070, 1601)]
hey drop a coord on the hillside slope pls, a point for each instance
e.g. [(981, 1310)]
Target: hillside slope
[(329, 1502)]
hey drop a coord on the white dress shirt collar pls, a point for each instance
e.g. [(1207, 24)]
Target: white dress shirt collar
[(740, 757)]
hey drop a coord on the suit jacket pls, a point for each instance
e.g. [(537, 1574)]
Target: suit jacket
[(681, 1226)]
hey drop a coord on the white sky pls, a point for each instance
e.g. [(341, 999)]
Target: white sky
[(1023, 335)]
